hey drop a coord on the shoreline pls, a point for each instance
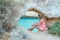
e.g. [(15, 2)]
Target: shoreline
[(29, 17)]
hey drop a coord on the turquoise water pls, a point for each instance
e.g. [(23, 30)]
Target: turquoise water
[(27, 23)]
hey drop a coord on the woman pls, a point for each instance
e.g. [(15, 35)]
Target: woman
[(40, 25)]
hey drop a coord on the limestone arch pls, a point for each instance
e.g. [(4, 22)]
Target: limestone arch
[(49, 21), (37, 11)]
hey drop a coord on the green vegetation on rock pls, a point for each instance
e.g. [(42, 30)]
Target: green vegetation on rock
[(55, 28)]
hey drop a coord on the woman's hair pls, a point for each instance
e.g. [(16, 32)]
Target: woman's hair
[(40, 16)]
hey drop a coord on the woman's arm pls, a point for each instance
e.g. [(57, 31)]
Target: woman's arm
[(36, 24), (40, 21)]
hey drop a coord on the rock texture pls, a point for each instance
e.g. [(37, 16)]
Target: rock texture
[(51, 8), (10, 12)]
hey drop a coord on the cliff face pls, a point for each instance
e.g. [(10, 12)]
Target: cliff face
[(12, 10), (9, 14), (51, 8)]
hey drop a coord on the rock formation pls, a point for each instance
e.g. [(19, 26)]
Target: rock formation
[(11, 11), (9, 14)]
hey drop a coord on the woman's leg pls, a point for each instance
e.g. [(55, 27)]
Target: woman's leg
[(32, 28), (38, 28)]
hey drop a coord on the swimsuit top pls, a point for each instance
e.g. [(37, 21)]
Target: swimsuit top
[(42, 24)]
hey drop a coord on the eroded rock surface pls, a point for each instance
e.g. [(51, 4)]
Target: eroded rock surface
[(10, 12)]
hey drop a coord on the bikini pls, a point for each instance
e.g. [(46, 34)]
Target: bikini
[(42, 25)]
